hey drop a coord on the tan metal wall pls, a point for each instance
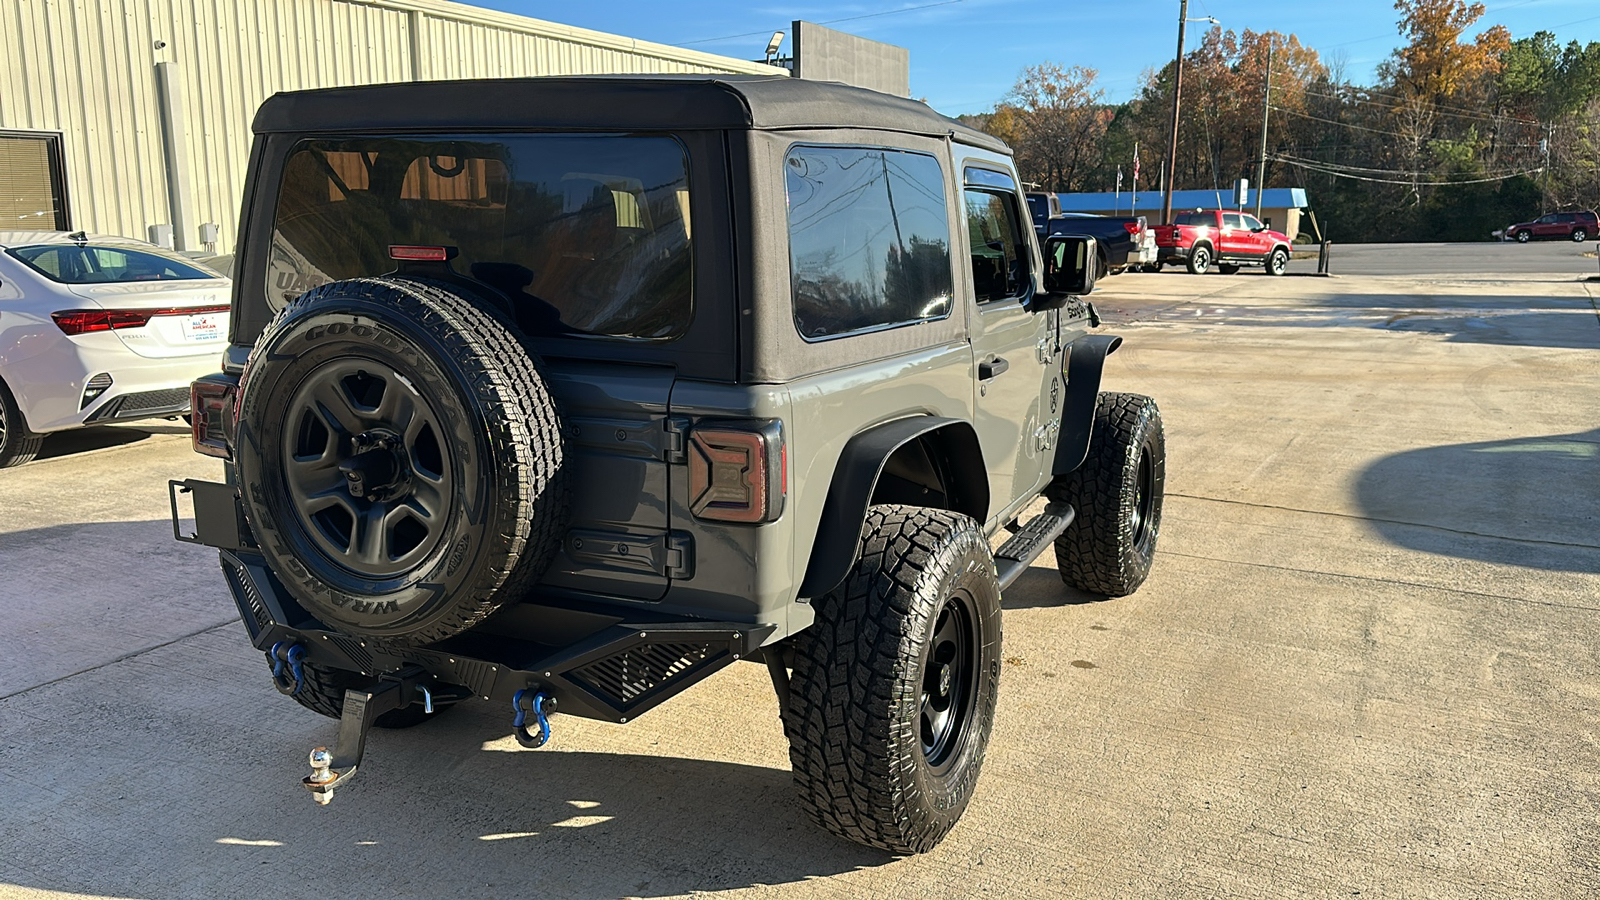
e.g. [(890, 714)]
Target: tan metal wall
[(86, 68)]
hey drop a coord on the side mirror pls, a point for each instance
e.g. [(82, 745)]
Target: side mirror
[(1069, 265)]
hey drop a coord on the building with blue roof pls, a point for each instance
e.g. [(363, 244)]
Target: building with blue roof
[(1280, 207)]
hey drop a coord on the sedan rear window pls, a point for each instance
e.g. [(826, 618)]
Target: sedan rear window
[(83, 264), (587, 235)]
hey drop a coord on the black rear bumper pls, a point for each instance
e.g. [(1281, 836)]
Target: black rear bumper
[(610, 663)]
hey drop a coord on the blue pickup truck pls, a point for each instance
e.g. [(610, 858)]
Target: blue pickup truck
[(1125, 242)]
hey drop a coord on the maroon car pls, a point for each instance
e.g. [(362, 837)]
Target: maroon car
[(1577, 225)]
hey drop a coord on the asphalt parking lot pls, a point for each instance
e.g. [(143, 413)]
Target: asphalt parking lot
[(1367, 663)]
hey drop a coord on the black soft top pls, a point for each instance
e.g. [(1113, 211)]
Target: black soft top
[(607, 102)]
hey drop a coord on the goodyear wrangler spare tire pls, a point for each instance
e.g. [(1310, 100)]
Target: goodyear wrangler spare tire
[(400, 458)]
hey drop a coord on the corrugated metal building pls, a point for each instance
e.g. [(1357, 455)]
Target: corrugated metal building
[(101, 99)]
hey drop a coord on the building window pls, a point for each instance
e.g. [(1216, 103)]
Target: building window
[(869, 239), (33, 187)]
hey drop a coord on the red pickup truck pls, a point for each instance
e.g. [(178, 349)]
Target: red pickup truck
[(1230, 239)]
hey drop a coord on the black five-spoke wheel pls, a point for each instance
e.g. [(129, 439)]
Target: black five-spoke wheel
[(948, 682)]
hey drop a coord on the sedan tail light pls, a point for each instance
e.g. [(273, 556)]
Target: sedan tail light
[(211, 409), (1132, 227), (83, 321), (738, 472)]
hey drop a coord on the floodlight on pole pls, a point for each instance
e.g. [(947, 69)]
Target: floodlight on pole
[(773, 45)]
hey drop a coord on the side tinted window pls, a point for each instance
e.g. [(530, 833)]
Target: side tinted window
[(1232, 220), (999, 256), (587, 234), (1194, 218), (869, 239), (1251, 222)]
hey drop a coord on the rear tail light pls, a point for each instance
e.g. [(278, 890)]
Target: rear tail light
[(84, 321), (1132, 227), (416, 253), (211, 411), (738, 472)]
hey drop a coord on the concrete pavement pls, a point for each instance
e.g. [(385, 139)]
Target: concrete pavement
[(1366, 663)]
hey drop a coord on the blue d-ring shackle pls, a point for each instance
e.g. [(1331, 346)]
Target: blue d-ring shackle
[(520, 723)]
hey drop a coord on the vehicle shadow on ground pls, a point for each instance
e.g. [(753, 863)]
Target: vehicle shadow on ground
[(101, 437), (426, 816), (1040, 587), (1456, 498)]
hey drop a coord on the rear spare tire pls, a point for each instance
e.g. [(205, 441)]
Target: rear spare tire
[(400, 458)]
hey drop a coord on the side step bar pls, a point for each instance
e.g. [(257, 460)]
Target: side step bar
[(1016, 555)]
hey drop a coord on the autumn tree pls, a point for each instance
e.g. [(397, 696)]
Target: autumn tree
[(1054, 120), (1435, 64)]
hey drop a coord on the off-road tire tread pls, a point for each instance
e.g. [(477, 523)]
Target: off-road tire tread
[(852, 777), (1095, 553), (482, 342), (19, 445)]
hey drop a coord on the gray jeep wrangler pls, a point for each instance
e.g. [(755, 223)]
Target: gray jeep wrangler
[(565, 393)]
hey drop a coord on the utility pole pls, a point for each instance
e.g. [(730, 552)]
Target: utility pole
[(1266, 106), (1177, 100)]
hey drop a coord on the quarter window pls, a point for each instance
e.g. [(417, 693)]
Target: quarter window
[(999, 256), (869, 239)]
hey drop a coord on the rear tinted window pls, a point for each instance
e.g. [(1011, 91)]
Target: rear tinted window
[(869, 239), (72, 264), (587, 234), (1195, 218)]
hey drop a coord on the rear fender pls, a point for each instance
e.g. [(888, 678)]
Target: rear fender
[(953, 446), (1086, 360)]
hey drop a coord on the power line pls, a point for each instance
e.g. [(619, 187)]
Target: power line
[(1312, 166), (887, 12), (1454, 111)]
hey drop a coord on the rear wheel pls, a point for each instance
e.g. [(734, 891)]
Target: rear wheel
[(1117, 494), (1278, 261), (17, 444), (1199, 260), (893, 691), (1579, 235)]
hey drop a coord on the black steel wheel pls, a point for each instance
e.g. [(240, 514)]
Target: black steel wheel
[(892, 693), (1199, 259), (400, 458), (1278, 261), (17, 444), (1117, 494)]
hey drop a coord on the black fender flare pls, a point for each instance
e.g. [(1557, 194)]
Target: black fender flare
[(1086, 361), (855, 478)]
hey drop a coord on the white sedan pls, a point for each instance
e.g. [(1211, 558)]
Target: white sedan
[(97, 329)]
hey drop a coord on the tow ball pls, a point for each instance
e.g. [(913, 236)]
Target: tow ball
[(331, 769)]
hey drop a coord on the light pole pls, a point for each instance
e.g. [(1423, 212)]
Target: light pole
[(1177, 99)]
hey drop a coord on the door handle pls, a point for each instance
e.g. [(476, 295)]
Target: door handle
[(991, 368)]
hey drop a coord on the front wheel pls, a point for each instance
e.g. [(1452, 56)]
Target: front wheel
[(1579, 235), (1278, 262), (892, 695), (1117, 494), (1199, 260), (1522, 237)]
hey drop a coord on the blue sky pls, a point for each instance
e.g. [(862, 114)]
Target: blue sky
[(965, 54)]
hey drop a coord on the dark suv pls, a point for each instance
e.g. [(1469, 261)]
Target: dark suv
[(1577, 225), (566, 393)]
